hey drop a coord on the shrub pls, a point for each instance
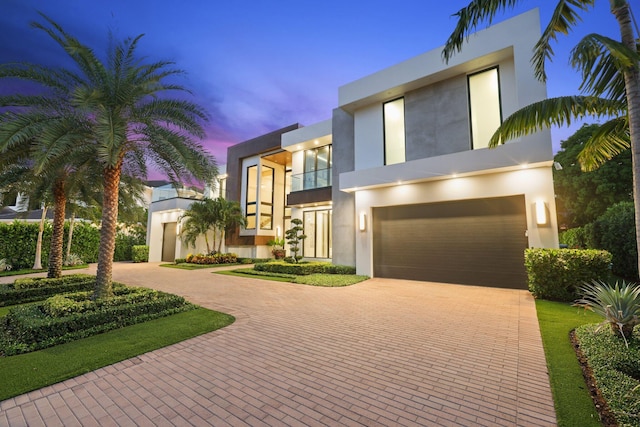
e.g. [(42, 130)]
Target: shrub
[(218, 258), (73, 260), (180, 260), (618, 304), (140, 253), (36, 289), (304, 268), (65, 318), (615, 232), (556, 274), (574, 238), (5, 265)]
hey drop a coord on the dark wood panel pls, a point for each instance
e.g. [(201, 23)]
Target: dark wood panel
[(478, 242)]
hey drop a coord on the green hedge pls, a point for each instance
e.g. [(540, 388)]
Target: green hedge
[(201, 259), (37, 289), (304, 268), (555, 274), (66, 318), (140, 253), (18, 243)]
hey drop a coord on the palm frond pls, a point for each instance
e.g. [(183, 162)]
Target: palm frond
[(554, 112), (609, 140)]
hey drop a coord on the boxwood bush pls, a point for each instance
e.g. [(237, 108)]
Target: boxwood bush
[(304, 268), (36, 289), (140, 253), (555, 274), (64, 318)]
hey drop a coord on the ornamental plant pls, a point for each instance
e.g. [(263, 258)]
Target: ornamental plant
[(295, 236), (618, 304)]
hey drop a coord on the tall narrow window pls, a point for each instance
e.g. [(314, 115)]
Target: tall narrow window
[(317, 228), (252, 194), (394, 136), (484, 105), (317, 168), (266, 198)]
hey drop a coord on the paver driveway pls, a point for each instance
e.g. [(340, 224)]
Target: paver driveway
[(383, 352)]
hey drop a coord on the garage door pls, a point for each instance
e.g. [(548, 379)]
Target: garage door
[(476, 242)]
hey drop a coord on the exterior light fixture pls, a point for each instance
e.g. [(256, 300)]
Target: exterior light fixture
[(362, 224), (541, 213), (278, 231)]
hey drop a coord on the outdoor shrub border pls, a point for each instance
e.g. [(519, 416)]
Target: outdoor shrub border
[(140, 253), (555, 274), (302, 269), (36, 289), (229, 258)]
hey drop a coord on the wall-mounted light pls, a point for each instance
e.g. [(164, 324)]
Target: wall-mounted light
[(278, 231), (541, 213), (362, 225)]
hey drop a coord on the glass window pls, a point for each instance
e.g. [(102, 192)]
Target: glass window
[(394, 136), (252, 194), (317, 228), (484, 105), (317, 168), (266, 198)]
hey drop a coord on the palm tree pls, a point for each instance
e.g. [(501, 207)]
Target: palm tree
[(131, 122), (229, 216), (200, 219), (611, 83)]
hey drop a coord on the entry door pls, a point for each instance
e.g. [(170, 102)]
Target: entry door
[(476, 242), (169, 242)]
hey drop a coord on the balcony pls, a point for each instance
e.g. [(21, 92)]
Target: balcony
[(311, 180)]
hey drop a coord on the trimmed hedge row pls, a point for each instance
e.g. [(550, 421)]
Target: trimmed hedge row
[(229, 258), (36, 289), (18, 243), (304, 268), (555, 274), (65, 318)]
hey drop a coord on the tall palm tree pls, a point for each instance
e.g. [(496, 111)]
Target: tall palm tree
[(229, 216), (200, 219), (611, 83), (132, 122)]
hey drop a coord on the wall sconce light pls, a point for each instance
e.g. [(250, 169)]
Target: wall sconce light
[(541, 213), (363, 221), (278, 231)]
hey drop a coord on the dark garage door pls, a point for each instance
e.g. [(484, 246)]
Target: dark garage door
[(475, 242)]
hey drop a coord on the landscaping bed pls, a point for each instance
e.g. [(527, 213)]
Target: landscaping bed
[(38, 288), (314, 279)]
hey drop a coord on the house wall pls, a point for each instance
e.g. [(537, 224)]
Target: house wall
[(536, 184)]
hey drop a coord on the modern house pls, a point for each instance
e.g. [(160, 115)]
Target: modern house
[(400, 182)]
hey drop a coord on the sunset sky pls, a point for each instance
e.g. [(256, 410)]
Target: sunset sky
[(260, 65)]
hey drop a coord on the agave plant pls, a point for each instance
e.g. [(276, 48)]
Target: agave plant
[(5, 265), (618, 304), (73, 260)]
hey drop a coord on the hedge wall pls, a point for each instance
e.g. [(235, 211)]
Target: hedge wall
[(18, 243)]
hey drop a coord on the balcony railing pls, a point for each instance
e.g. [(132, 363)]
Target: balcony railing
[(310, 180)]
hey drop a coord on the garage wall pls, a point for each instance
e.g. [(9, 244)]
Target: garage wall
[(534, 184)]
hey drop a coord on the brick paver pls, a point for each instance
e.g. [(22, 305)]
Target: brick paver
[(379, 353)]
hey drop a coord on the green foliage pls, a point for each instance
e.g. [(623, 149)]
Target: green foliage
[(618, 304), (73, 316), (582, 197), (140, 253), (304, 268), (575, 238), (295, 236), (330, 280), (73, 260), (5, 265), (36, 289), (229, 258), (180, 260), (556, 274), (616, 369), (615, 232)]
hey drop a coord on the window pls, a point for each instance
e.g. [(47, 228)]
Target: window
[(266, 198), (252, 193), (484, 106), (317, 228), (394, 135), (317, 168)]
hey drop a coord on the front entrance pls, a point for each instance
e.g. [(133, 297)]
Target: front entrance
[(169, 241)]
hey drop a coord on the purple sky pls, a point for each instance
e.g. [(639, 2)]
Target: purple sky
[(256, 65)]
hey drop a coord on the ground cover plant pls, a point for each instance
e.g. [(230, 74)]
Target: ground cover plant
[(30, 371), (190, 266), (216, 258), (313, 279), (616, 370)]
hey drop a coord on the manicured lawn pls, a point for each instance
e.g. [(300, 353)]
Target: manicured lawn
[(31, 271), (30, 371), (326, 280), (574, 406), (189, 266)]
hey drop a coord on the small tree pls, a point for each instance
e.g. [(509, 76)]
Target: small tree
[(295, 236)]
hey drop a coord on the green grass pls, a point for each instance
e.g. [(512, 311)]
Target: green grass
[(43, 270), (189, 266), (30, 371), (574, 406), (317, 279)]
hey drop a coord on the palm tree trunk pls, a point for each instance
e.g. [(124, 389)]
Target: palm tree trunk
[(72, 222), (37, 263), (620, 9), (103, 288), (57, 236)]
